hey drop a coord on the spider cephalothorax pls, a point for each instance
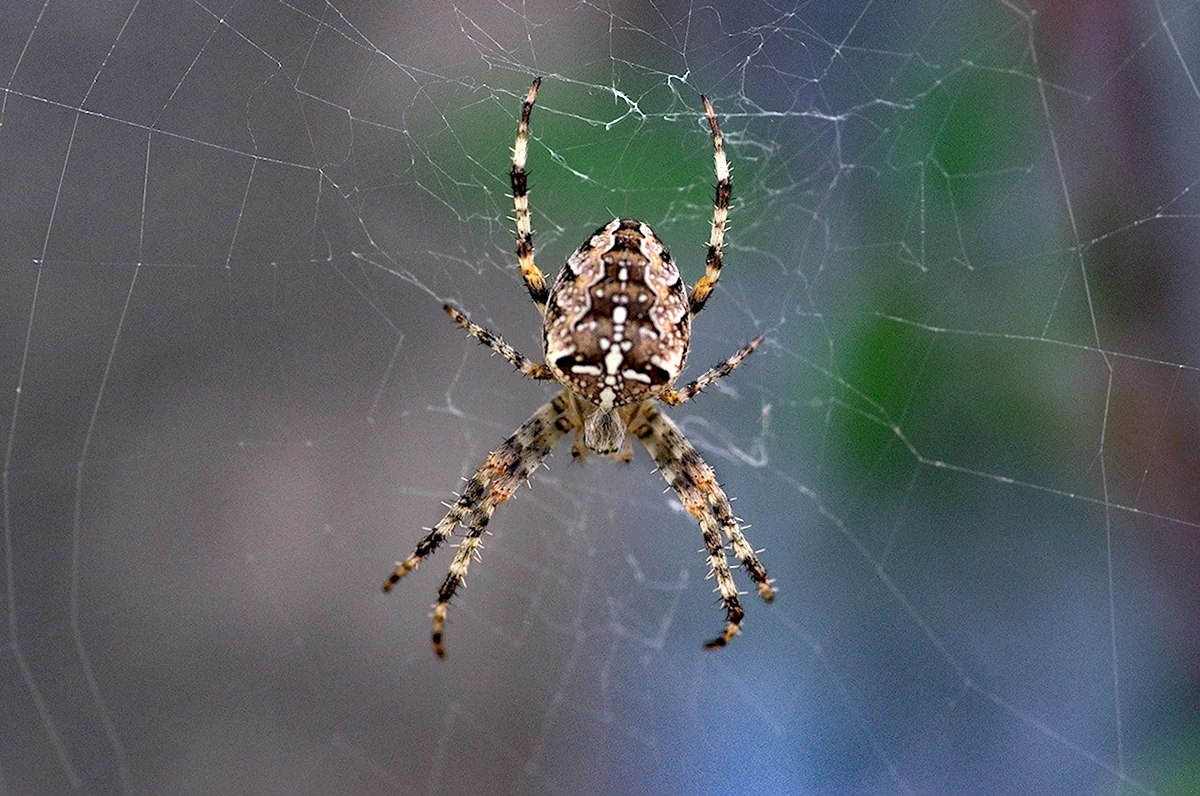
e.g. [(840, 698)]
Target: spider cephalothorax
[(615, 332)]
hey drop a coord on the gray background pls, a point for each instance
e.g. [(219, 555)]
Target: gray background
[(229, 398)]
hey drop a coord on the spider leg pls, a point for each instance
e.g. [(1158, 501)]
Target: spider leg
[(579, 451), (534, 370), (702, 475), (476, 524), (741, 545), (697, 488), (512, 462), (494, 482), (716, 239), (478, 487), (535, 280), (474, 492), (673, 397)]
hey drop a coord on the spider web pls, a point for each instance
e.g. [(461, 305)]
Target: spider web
[(969, 447)]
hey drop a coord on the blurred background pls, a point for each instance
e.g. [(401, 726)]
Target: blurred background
[(229, 398)]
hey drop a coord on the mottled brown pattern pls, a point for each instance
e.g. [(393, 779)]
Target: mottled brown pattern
[(621, 273)]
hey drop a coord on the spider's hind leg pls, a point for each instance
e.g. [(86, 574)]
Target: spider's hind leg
[(493, 483), (742, 549), (474, 492), (579, 451), (696, 485), (478, 485), (672, 460)]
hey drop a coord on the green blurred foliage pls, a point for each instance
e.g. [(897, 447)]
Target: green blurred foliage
[(976, 126), (1012, 409), (592, 156)]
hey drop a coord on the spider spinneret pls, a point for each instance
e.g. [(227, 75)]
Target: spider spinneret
[(616, 327)]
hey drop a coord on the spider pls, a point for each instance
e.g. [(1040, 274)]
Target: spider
[(615, 332)]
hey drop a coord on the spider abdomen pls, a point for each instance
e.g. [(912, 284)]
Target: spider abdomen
[(617, 324)]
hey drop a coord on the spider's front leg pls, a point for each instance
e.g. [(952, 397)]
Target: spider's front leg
[(696, 485), (492, 484), (716, 239), (535, 280)]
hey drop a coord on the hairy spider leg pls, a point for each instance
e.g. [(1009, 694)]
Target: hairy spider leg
[(705, 479), (673, 397), (716, 239), (493, 483), (474, 492), (742, 549), (535, 280), (693, 481), (534, 370), (513, 462)]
